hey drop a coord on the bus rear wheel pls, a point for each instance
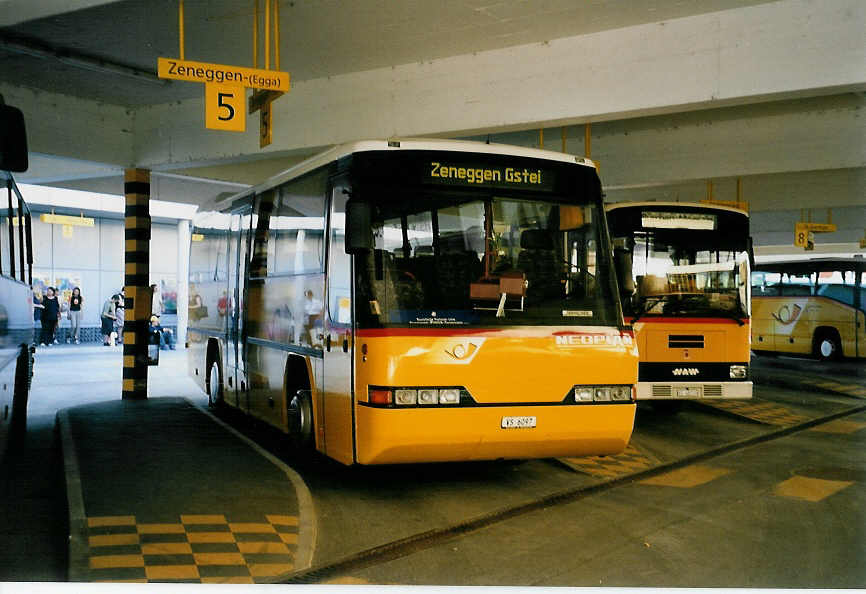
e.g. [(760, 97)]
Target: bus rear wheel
[(826, 345)]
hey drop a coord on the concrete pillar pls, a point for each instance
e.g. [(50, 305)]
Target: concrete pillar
[(136, 188), (183, 238)]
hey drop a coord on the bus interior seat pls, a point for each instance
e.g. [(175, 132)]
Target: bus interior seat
[(651, 284), (537, 260)]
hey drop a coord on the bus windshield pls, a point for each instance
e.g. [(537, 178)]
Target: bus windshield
[(683, 264), (450, 260)]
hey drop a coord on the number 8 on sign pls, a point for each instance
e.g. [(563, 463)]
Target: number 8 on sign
[(225, 107)]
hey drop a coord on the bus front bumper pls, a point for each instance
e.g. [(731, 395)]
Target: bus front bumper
[(392, 436), (694, 390)]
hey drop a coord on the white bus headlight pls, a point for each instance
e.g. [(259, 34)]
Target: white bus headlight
[(602, 394), (738, 371), (428, 396), (590, 394), (405, 397), (620, 393), (583, 394), (449, 396)]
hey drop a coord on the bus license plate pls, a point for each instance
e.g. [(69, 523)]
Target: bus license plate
[(688, 392), (518, 422)]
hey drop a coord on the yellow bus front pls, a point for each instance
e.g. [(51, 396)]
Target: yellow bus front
[(510, 393)]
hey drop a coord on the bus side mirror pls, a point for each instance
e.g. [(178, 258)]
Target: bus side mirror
[(359, 226), (751, 254), (622, 260), (13, 139)]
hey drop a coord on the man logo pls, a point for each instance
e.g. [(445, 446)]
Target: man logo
[(686, 371)]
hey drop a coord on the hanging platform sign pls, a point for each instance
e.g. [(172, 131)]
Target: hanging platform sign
[(224, 107), (203, 72)]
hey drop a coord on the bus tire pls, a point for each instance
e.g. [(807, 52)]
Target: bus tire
[(301, 426), (20, 397), (826, 345), (214, 385)]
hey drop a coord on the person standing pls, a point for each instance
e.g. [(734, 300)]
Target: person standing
[(156, 304), (50, 316), (76, 313), (120, 314), (109, 309)]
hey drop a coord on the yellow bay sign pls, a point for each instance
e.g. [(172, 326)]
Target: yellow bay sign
[(224, 88), (203, 72)]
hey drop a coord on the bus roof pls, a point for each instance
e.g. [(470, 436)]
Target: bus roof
[(807, 265), (681, 205), (401, 144)]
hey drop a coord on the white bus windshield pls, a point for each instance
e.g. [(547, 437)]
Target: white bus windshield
[(442, 260)]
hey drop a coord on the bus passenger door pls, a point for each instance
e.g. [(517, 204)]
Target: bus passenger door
[(338, 339), (235, 371)]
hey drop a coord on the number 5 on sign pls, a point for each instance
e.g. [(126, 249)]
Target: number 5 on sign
[(224, 107)]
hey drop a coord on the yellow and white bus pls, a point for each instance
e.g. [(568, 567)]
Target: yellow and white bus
[(684, 275), (417, 300), (810, 307)]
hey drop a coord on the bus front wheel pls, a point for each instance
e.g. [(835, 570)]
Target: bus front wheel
[(20, 397), (826, 345), (300, 409), (214, 386)]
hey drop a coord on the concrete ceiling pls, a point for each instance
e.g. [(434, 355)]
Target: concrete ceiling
[(318, 38), (723, 102)]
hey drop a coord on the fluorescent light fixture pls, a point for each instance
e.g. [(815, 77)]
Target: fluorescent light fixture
[(678, 220), (56, 219)]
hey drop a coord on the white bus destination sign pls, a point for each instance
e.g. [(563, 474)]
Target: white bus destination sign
[(204, 72), (485, 175)]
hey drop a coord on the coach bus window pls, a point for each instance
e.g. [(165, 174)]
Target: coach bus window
[(837, 285), (797, 285), (297, 227), (442, 260), (208, 301), (286, 262)]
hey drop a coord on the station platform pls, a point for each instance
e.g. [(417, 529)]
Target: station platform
[(161, 490)]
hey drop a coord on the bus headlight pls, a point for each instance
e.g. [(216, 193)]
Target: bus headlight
[(590, 394), (620, 393), (449, 396), (408, 397), (583, 394), (428, 396), (405, 397), (739, 371), (602, 394)]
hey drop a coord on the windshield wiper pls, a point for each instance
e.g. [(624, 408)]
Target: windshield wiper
[(644, 309)]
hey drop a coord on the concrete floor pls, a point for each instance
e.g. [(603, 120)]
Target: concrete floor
[(788, 512)]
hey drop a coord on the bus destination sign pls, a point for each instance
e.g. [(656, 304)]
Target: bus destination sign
[(465, 174)]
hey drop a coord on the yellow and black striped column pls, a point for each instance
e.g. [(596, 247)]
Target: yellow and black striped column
[(136, 188)]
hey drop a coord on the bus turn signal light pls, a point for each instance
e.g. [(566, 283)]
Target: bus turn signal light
[(381, 397)]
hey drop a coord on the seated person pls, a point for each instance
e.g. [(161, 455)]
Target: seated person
[(166, 336)]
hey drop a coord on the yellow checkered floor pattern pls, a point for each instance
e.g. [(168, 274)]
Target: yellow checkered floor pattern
[(763, 412), (849, 389), (197, 548), (631, 460)]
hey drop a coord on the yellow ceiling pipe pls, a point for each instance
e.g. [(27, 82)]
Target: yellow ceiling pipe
[(180, 27)]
